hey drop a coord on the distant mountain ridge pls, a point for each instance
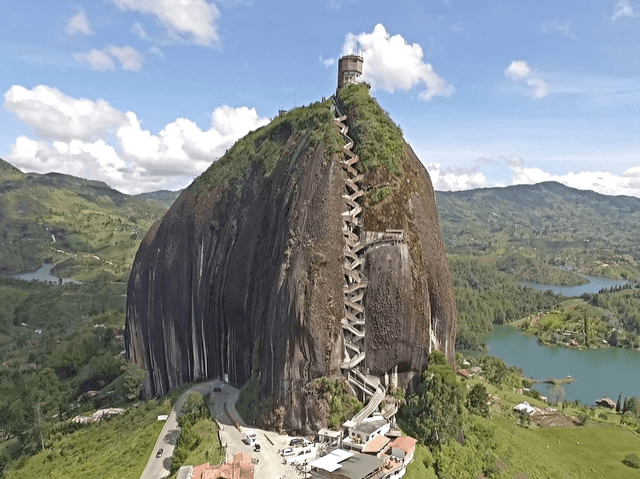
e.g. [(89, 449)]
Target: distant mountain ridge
[(74, 221), (545, 215), (540, 194)]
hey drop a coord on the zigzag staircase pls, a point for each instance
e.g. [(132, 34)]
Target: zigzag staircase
[(353, 323)]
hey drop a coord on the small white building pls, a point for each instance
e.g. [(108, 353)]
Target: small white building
[(252, 437), (363, 432), (525, 408)]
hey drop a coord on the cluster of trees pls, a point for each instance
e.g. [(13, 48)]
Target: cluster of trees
[(443, 415), (45, 373), (485, 296), (620, 313), (194, 410)]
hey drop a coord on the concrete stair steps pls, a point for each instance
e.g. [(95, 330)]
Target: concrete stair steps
[(358, 307), (355, 287), (352, 330), (353, 362)]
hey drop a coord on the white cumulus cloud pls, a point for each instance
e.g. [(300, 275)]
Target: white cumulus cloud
[(79, 23), (455, 179), (327, 62), (193, 20), (129, 58), (93, 140), (519, 70), (53, 114), (390, 63), (97, 59), (623, 9), (603, 182)]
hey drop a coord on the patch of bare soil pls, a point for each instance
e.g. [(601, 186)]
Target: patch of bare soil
[(553, 418)]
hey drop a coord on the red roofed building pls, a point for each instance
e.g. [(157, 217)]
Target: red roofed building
[(376, 446), (403, 447), (240, 468)]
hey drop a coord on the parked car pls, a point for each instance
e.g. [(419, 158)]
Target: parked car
[(159, 453), (288, 452), (216, 389), (256, 448), (296, 442)]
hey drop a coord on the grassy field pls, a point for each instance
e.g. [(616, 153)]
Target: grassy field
[(117, 448), (594, 451), (530, 452)]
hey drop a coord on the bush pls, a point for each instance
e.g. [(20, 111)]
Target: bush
[(584, 418), (632, 460)]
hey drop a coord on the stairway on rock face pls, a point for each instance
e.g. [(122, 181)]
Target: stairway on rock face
[(354, 321)]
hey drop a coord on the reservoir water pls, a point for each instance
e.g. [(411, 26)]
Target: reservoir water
[(596, 372), (595, 284), (43, 274)]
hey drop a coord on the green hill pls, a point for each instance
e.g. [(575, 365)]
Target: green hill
[(535, 227), (89, 229)]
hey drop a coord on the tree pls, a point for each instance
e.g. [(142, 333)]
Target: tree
[(194, 404), (434, 414), (619, 403), (477, 400), (133, 379), (632, 405), (556, 395)]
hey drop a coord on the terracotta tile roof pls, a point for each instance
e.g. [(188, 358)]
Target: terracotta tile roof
[(406, 443), (376, 444), (240, 468), (199, 470)]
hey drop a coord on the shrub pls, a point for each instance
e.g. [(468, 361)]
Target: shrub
[(632, 460), (584, 418)]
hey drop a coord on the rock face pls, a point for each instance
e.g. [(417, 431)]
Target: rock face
[(242, 279)]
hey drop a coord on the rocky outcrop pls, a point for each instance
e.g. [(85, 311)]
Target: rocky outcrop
[(242, 279)]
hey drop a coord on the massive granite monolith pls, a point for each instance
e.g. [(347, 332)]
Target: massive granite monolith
[(242, 279)]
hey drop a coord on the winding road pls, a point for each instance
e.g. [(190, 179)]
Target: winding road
[(160, 467)]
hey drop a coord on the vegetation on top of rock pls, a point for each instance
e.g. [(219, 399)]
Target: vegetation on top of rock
[(378, 140), (271, 144)]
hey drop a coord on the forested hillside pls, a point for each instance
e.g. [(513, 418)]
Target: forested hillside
[(545, 233), (536, 226), (90, 229)]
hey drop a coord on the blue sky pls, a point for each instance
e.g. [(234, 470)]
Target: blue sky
[(145, 94)]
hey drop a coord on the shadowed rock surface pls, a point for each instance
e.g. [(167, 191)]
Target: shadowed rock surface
[(242, 279)]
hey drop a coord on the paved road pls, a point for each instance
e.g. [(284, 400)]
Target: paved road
[(160, 467), (222, 407)]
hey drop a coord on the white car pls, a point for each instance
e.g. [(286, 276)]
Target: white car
[(287, 452)]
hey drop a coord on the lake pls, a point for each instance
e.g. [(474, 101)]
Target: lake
[(596, 372), (43, 274), (595, 284)]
